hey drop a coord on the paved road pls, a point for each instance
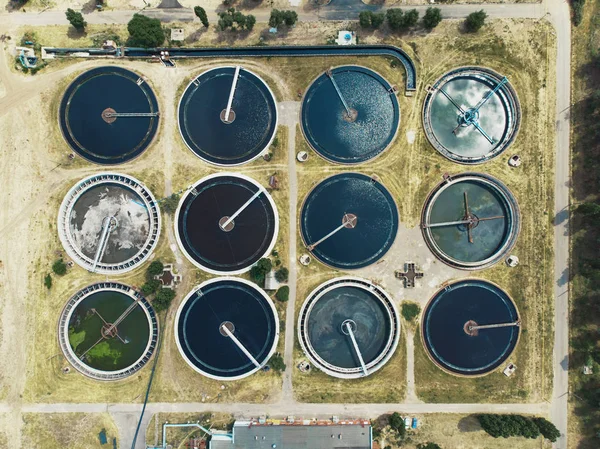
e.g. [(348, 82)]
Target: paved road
[(284, 409), (519, 10)]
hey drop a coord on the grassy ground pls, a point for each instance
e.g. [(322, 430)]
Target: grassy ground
[(178, 437), (523, 51), (67, 430), (584, 416), (519, 49), (460, 432)]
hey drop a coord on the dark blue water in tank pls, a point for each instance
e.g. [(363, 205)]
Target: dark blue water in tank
[(451, 346), (88, 134), (324, 326), (201, 318), (205, 241), (338, 139), (200, 117), (353, 193)]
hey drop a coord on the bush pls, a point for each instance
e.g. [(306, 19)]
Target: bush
[(163, 299), (547, 429), (151, 286), (276, 363), (76, 19), (259, 271), (250, 21), (432, 18), (410, 310), (397, 423), (508, 426), (169, 204), (48, 281), (475, 21), (283, 294), (588, 209), (59, 267), (201, 14), (155, 268), (282, 274), (145, 32), (578, 11)]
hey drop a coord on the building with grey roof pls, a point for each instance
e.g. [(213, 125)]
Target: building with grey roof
[(303, 435)]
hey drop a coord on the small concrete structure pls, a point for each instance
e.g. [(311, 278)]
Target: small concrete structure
[(177, 34), (510, 370), (302, 156), (512, 261), (271, 282), (305, 259), (168, 278), (346, 38), (274, 182), (587, 370), (409, 275), (515, 161)]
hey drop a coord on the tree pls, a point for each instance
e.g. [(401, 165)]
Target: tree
[(76, 19), (410, 310), (276, 18), (145, 32), (364, 19), (411, 18), (59, 267), (589, 209), (395, 18), (155, 268), (397, 423), (290, 17), (283, 294), (201, 14), (475, 21), (150, 286), (432, 18), (48, 281), (282, 274), (169, 204), (547, 429), (508, 426), (377, 19), (276, 363), (259, 271), (250, 21), (163, 299)]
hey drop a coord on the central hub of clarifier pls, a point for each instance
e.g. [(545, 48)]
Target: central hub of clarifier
[(350, 118), (468, 328), (349, 221), (229, 225), (230, 327), (231, 118), (345, 324), (107, 115)]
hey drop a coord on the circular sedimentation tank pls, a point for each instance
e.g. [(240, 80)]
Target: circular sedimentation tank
[(470, 327), (227, 328), (108, 331), (115, 209), (471, 115), (109, 115), (226, 222), (223, 136), (350, 114), (349, 221), (345, 323), (470, 221)]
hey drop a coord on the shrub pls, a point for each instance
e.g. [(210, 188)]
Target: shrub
[(151, 286), (48, 281), (59, 267), (155, 268), (508, 426), (410, 310), (163, 299), (475, 21), (250, 21), (169, 204), (145, 32), (76, 19), (282, 274), (431, 19), (201, 14), (259, 271), (588, 209), (397, 423), (276, 363), (547, 429), (283, 294)]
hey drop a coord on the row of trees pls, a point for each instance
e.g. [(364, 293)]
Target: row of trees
[(235, 21), (518, 426), (399, 20), (278, 18)]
